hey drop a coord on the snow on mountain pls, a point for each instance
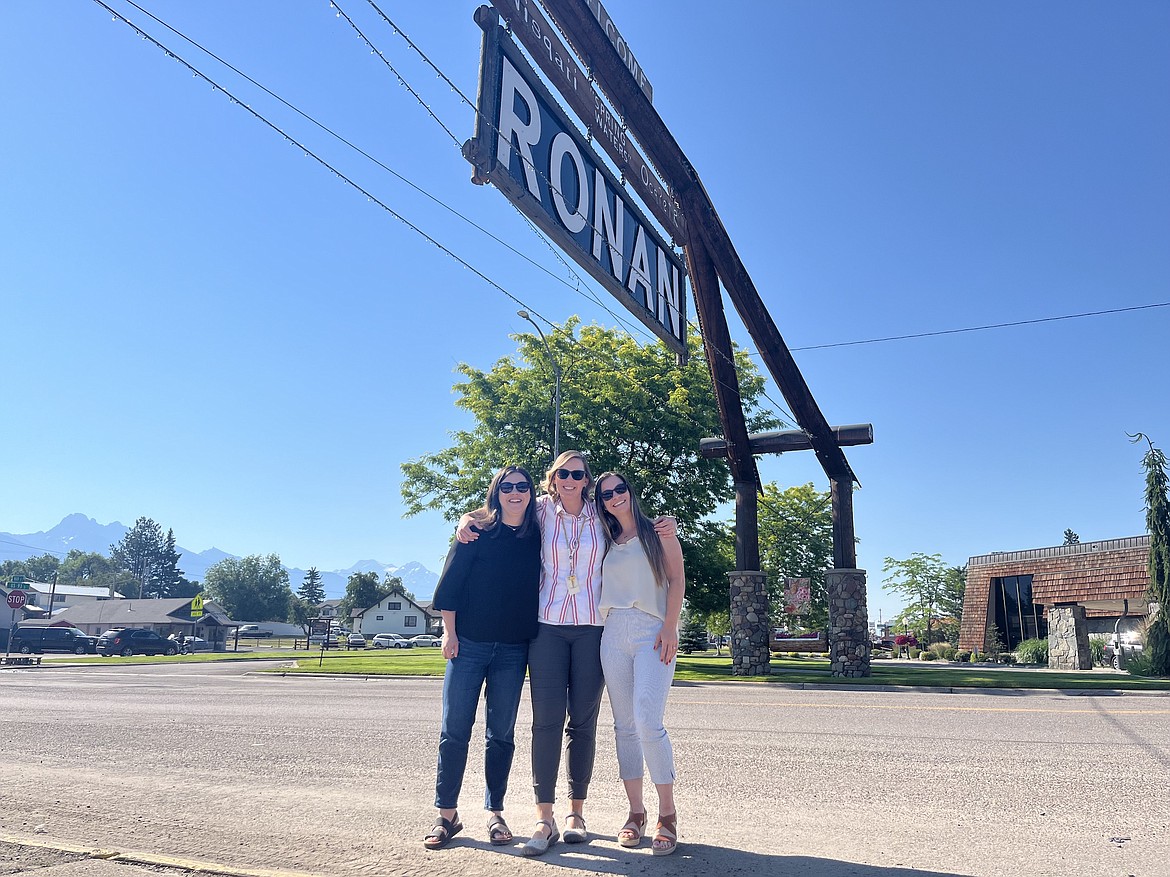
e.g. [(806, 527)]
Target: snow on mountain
[(83, 533)]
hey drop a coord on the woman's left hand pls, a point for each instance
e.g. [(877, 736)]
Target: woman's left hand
[(666, 644)]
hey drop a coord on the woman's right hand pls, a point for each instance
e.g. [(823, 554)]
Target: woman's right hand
[(464, 533), (450, 646)]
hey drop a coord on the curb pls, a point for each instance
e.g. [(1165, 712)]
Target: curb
[(130, 857)]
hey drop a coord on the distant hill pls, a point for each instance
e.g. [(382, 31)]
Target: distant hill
[(86, 534)]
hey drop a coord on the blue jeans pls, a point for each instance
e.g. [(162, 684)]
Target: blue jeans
[(501, 666)]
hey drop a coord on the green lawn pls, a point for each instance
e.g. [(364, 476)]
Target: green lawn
[(714, 668)]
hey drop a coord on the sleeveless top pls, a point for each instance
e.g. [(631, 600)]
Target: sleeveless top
[(628, 581)]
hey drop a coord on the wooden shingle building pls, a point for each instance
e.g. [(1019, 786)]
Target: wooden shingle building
[(1064, 593)]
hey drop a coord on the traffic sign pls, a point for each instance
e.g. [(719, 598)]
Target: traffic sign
[(16, 599), (197, 606)]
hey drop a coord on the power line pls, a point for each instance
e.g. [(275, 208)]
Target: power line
[(1163, 304)]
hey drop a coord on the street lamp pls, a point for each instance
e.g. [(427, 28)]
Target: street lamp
[(557, 377)]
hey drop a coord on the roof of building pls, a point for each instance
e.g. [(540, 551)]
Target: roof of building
[(135, 613), (1080, 548), (1118, 581)]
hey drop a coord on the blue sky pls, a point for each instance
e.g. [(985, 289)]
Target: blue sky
[(205, 326)]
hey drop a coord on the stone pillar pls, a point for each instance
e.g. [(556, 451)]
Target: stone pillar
[(750, 636), (1068, 638), (849, 642)]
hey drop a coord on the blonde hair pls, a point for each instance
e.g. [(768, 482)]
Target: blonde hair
[(612, 528), (549, 485)]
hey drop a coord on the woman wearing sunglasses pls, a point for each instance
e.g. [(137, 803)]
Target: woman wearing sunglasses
[(487, 595), (565, 678), (640, 605)]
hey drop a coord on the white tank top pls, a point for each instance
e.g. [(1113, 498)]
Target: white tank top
[(627, 581)]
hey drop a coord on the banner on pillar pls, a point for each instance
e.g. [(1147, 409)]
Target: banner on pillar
[(797, 596)]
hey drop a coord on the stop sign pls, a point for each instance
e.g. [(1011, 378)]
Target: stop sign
[(16, 599)]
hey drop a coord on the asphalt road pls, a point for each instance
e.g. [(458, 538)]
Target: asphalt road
[(213, 762)]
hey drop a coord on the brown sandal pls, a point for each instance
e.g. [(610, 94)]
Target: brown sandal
[(442, 831), (631, 833), (665, 834)]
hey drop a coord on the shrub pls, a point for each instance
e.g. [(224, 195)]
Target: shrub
[(1097, 650), (914, 653), (1007, 658), (948, 654), (963, 656), (930, 656), (1139, 663), (1032, 651)]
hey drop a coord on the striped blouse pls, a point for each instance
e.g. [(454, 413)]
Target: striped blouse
[(570, 545)]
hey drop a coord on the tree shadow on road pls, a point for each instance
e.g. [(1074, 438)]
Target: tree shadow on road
[(699, 860)]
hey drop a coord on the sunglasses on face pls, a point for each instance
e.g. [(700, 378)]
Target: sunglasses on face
[(607, 495), (518, 486), (575, 474)]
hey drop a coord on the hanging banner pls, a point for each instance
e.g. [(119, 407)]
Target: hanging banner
[(527, 147), (797, 596)]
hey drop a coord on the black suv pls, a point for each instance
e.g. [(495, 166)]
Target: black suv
[(135, 641), (35, 640)]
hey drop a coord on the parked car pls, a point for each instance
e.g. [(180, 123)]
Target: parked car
[(1131, 646), (328, 641), (195, 644), (391, 641), (253, 630), (135, 641), (425, 639), (35, 640), (355, 641)]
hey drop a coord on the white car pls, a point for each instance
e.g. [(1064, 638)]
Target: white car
[(425, 639), (391, 641)]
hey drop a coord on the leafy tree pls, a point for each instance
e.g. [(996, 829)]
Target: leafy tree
[(301, 612), (693, 637), (363, 591), (42, 568), (921, 581), (719, 626), (1071, 538), (255, 588), (796, 540), (311, 589), (86, 568), (950, 602), (708, 553), (1158, 524), (630, 406)]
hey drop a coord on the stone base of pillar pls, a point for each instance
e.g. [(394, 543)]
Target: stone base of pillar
[(849, 642), (1068, 638), (750, 635)]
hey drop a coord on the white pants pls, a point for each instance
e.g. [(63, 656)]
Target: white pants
[(637, 682)]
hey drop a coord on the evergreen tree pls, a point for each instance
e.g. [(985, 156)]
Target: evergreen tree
[(1071, 538), (1158, 525), (166, 578), (693, 637), (140, 553), (311, 590)]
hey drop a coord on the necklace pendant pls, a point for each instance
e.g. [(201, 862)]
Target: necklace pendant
[(574, 588)]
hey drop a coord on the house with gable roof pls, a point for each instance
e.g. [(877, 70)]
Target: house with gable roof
[(395, 613)]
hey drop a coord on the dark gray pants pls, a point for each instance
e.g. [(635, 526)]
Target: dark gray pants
[(565, 679)]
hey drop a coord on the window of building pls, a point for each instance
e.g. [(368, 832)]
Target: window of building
[(394, 607), (1016, 616), (411, 621), (377, 617), (58, 598)]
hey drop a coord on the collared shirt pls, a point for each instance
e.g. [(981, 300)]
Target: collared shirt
[(564, 536)]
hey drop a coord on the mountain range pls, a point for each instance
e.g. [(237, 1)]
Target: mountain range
[(86, 534)]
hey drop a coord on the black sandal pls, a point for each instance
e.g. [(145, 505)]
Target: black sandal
[(498, 831), (441, 832)]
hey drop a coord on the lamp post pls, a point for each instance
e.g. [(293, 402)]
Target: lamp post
[(556, 377)]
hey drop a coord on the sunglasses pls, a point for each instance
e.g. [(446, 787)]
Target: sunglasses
[(607, 495), (575, 474), (518, 486)]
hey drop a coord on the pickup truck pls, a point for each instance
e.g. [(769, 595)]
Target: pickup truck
[(253, 630)]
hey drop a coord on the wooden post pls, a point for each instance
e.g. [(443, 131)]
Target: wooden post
[(747, 531), (844, 540)]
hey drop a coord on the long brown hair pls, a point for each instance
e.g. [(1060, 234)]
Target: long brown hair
[(489, 514), (612, 528)]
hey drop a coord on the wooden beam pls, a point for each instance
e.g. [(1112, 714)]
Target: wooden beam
[(786, 440), (844, 537)]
